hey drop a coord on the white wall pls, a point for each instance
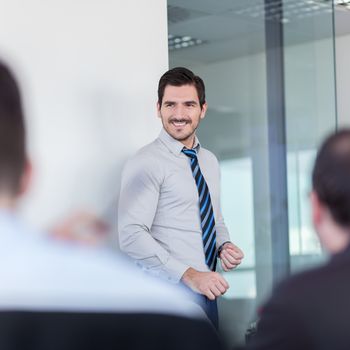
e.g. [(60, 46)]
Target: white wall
[(89, 71), (343, 79)]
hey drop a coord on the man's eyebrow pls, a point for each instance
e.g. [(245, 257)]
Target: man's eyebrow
[(185, 102)]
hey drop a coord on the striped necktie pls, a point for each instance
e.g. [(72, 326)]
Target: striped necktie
[(205, 209)]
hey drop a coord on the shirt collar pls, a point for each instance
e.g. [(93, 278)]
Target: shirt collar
[(7, 214), (8, 219), (176, 146)]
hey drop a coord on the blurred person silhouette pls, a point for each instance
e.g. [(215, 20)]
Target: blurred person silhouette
[(55, 295), (311, 310)]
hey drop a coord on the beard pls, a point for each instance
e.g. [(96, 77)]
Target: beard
[(186, 133)]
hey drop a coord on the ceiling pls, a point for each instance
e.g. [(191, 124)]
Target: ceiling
[(235, 28)]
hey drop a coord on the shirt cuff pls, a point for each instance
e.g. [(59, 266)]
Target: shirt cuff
[(174, 269), (219, 249)]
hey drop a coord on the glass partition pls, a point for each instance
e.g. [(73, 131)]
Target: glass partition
[(225, 43), (310, 114)]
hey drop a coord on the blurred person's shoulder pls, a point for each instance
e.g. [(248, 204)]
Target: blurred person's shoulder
[(309, 308), (316, 292), (322, 278), (123, 285), (38, 272)]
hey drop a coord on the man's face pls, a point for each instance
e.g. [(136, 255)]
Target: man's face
[(181, 113)]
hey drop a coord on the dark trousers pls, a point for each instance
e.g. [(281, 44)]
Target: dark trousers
[(210, 307)]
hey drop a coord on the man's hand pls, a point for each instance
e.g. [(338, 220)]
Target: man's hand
[(210, 284), (230, 256)]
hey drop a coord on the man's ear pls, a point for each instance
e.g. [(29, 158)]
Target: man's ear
[(204, 110), (317, 209), (26, 177), (158, 110)]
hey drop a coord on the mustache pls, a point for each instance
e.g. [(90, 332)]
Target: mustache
[(178, 120)]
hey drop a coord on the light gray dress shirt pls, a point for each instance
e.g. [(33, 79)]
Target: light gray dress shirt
[(158, 216)]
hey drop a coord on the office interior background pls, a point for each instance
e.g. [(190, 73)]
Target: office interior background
[(277, 77), (277, 80)]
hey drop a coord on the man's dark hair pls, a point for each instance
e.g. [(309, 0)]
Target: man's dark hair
[(12, 133), (331, 176), (180, 76)]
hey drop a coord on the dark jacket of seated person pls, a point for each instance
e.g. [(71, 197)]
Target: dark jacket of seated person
[(312, 310)]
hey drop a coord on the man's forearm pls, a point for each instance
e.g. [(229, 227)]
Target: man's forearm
[(139, 244)]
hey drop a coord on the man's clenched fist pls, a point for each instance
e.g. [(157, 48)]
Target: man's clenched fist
[(210, 284)]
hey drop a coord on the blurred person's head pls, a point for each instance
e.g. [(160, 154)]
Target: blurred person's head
[(13, 162), (181, 103), (330, 197)]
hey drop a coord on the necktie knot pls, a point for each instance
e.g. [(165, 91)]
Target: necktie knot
[(191, 153)]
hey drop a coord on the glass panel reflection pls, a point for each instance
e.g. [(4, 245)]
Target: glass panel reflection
[(230, 56), (310, 116)]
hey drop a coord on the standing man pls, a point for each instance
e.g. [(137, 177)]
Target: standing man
[(311, 310), (170, 220)]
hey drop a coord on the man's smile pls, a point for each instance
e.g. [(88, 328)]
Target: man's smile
[(179, 123)]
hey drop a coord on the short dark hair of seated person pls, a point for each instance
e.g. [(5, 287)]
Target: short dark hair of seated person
[(12, 133), (311, 310)]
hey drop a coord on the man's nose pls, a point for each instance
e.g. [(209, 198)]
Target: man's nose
[(180, 111)]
